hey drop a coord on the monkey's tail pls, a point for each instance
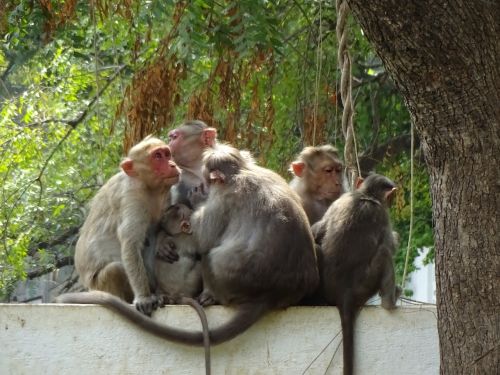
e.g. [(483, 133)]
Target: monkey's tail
[(245, 316), (206, 333), (347, 316)]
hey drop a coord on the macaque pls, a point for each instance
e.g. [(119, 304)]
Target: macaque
[(109, 254), (318, 179), (182, 278), (256, 246), (357, 245), (188, 142)]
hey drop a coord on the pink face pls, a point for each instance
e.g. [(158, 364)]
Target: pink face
[(162, 165)]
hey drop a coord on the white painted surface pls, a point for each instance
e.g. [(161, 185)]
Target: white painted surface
[(73, 339), (423, 280)]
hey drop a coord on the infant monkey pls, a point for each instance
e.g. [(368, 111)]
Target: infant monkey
[(183, 277)]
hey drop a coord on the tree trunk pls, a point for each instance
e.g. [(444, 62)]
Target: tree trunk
[(444, 56)]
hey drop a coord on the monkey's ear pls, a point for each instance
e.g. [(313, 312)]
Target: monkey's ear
[(128, 167), (389, 195), (298, 168), (209, 135), (359, 181)]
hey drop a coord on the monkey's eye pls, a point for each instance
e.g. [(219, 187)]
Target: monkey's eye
[(328, 169), (157, 155)]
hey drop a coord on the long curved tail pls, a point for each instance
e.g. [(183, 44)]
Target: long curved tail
[(347, 316), (244, 318)]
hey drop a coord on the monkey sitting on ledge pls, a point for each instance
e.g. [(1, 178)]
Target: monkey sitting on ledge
[(182, 278), (109, 252), (357, 245)]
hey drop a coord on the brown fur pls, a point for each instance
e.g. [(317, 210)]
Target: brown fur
[(318, 179), (108, 255)]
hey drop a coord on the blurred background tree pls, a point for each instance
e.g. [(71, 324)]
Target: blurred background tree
[(80, 82)]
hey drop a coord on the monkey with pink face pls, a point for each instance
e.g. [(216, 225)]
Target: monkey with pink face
[(109, 254)]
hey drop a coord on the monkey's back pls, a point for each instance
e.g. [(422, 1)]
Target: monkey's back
[(97, 244), (352, 249), (265, 250)]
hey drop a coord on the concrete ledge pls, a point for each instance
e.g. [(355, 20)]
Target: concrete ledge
[(75, 339)]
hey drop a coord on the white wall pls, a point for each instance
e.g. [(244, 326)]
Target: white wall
[(423, 280), (73, 339)]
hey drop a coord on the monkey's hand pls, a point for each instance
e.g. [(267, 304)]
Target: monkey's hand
[(167, 251), (146, 304)]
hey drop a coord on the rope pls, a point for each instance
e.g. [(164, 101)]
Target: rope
[(344, 60), (412, 146), (319, 64)]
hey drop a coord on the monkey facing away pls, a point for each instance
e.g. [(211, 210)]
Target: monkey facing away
[(256, 245), (357, 246), (318, 179), (109, 252), (182, 278), (188, 142)]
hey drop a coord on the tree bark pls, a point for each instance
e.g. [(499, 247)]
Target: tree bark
[(444, 57)]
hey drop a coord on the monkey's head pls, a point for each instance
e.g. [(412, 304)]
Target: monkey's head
[(223, 163), (175, 220), (379, 187), (189, 140)]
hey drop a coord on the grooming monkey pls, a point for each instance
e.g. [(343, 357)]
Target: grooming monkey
[(318, 179), (182, 278), (357, 246), (256, 245), (109, 252)]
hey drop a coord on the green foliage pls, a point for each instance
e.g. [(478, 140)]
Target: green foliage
[(58, 143)]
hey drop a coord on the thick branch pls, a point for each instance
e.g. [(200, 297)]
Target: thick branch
[(57, 241), (60, 262)]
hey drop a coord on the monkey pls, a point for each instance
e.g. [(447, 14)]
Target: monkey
[(318, 179), (187, 142), (109, 254), (182, 278), (256, 246), (357, 245)]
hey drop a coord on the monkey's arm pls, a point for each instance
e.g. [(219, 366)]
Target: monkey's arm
[(132, 235)]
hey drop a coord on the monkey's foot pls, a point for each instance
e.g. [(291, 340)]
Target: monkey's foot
[(146, 304)]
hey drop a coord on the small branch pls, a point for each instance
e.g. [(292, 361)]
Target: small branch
[(395, 146)]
